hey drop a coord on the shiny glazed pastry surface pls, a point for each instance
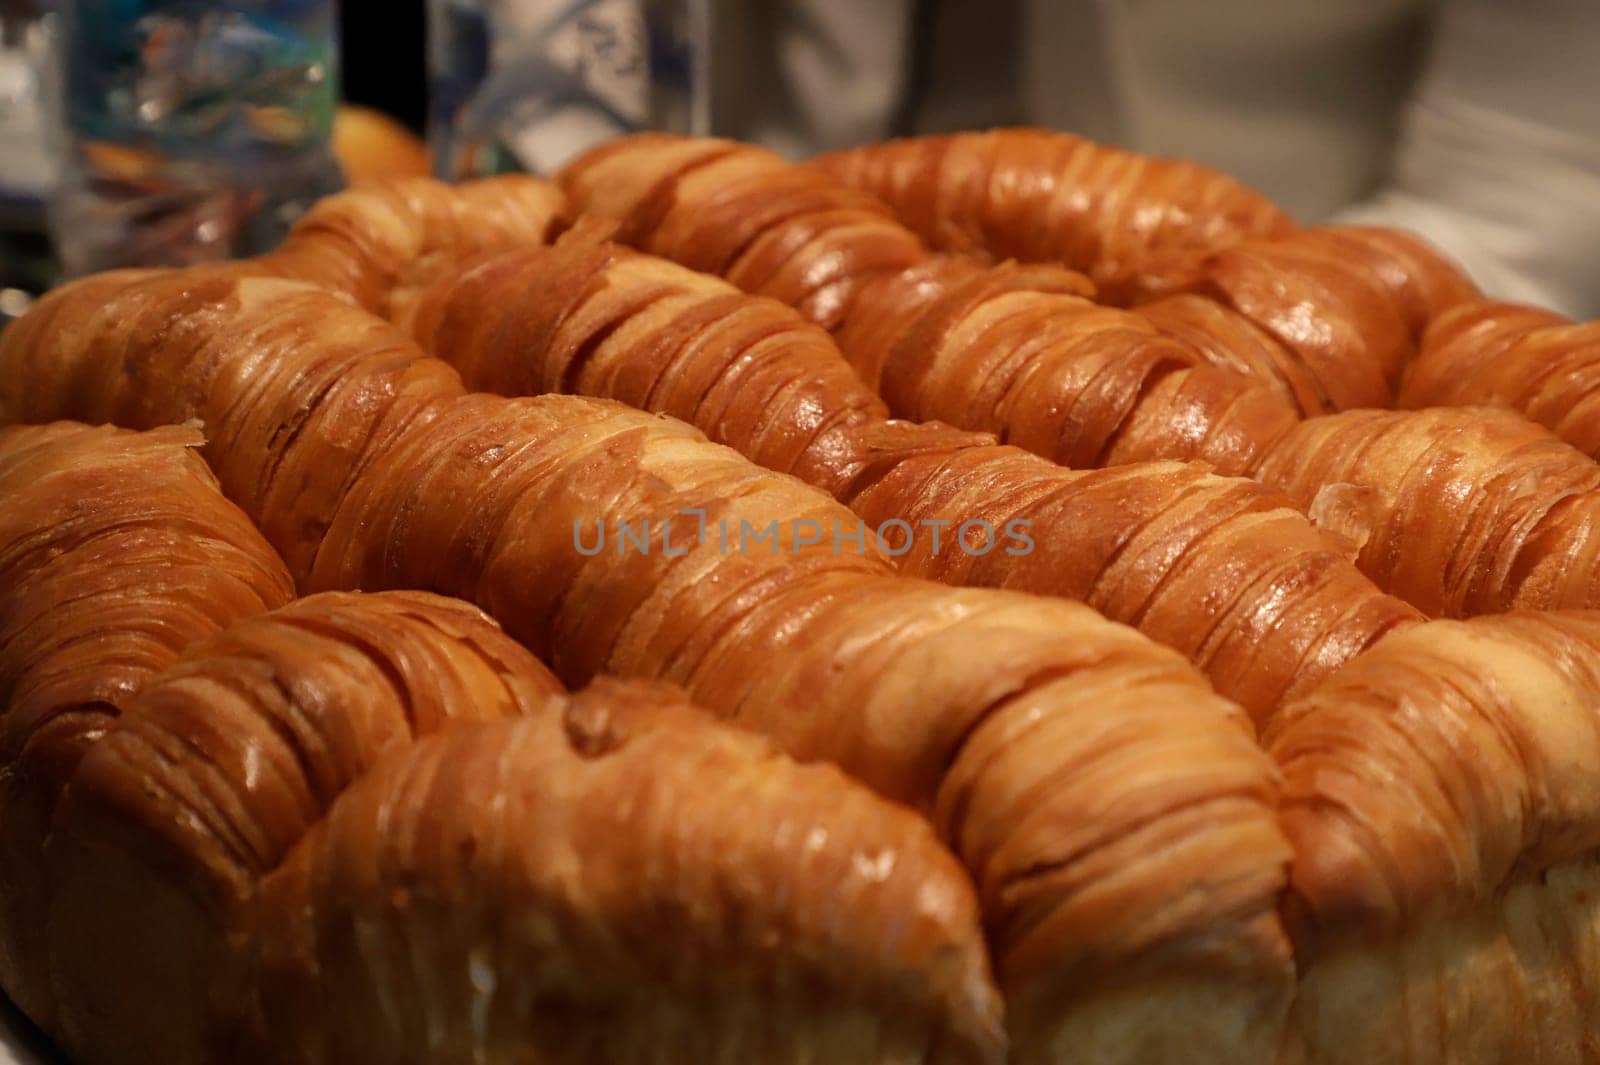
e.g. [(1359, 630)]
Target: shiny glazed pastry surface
[(940, 806)]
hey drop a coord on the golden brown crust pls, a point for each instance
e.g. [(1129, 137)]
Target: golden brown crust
[(1130, 848), (1531, 360), (362, 242), (600, 854), (881, 666), (246, 356), (1051, 372), (689, 896), (213, 772), (1045, 196), (117, 551), (1015, 351), (1344, 305), (1148, 544), (1420, 281), (745, 214), (1338, 310), (1458, 510), (1337, 322), (595, 318), (1228, 339), (418, 485), (1433, 768)]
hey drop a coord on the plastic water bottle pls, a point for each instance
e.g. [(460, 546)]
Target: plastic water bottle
[(527, 84), (192, 130)]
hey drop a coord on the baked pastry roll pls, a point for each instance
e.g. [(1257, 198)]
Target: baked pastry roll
[(1441, 796), (616, 878), (362, 242), (259, 862), (1531, 360), (208, 778), (1343, 304), (1019, 352), (1044, 196), (1458, 510), (117, 551)]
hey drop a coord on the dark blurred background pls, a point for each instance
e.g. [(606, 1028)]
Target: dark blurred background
[(384, 51)]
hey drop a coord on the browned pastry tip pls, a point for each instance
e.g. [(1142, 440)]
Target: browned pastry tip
[(1438, 764), (621, 881), (1230, 340), (1441, 798), (1329, 315), (209, 777), (1045, 196), (1531, 360), (1459, 510), (117, 551), (1070, 864)]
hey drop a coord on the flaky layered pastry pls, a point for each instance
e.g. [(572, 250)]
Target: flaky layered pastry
[(1081, 771), (946, 340), (290, 863), (1531, 360), (1441, 796), (1043, 196), (616, 877), (620, 879), (1018, 352), (362, 242), (589, 316), (1342, 305), (117, 551), (212, 774), (1140, 544), (1266, 322), (1459, 510)]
